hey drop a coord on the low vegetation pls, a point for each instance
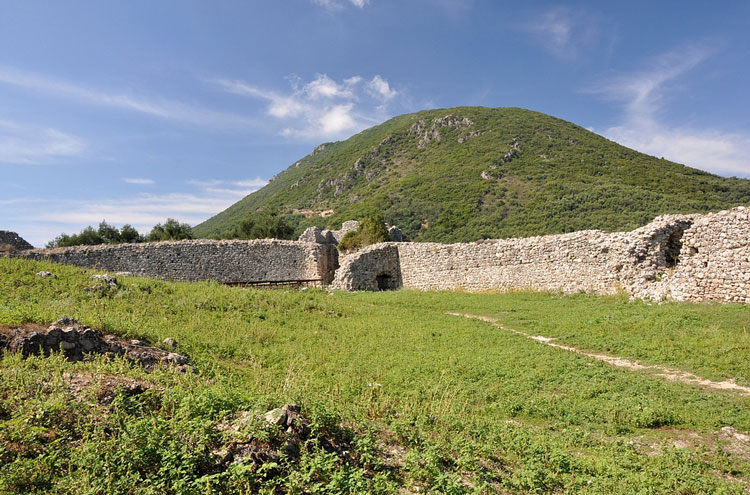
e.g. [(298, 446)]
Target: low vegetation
[(263, 225), (371, 230), (396, 396)]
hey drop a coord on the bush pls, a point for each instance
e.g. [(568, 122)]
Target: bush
[(105, 234), (172, 230), (263, 225), (371, 230)]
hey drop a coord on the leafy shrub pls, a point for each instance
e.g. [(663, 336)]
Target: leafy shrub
[(105, 234), (371, 230), (172, 230), (263, 225)]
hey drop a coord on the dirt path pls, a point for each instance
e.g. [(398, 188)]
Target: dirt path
[(671, 374)]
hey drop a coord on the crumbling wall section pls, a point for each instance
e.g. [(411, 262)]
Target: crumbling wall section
[(714, 261), (375, 267), (10, 241)]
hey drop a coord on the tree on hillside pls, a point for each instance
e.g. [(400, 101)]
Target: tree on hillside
[(264, 225)]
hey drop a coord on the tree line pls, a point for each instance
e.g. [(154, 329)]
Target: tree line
[(171, 230)]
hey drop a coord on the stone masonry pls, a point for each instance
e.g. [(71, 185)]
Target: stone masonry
[(676, 257), (224, 261)]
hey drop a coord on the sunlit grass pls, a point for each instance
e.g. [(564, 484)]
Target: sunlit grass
[(469, 407)]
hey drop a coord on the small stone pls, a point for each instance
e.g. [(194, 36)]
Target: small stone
[(44, 274), (175, 358), (70, 335), (89, 339), (65, 321), (54, 336), (170, 343), (109, 280), (276, 416), (67, 346)]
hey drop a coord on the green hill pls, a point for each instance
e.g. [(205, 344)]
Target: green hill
[(466, 173)]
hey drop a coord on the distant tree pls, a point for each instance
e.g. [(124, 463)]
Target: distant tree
[(371, 230), (129, 234), (172, 230), (108, 233), (104, 234)]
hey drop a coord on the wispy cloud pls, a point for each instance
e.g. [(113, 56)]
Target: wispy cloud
[(340, 4), (322, 108), (644, 95), (138, 181), (36, 221), (236, 189), (564, 32), (153, 106), (22, 144)]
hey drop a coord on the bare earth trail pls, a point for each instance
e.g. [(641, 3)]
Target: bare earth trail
[(671, 374)]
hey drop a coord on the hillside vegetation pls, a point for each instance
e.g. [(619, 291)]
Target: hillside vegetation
[(399, 397), (466, 173)]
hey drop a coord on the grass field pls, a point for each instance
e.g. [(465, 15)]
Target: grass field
[(426, 402)]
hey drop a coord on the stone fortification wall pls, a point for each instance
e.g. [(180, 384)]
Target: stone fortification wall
[(10, 241), (224, 261), (679, 257), (590, 261)]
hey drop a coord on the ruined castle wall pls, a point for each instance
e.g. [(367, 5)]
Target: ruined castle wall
[(10, 241), (224, 261), (678, 257), (375, 267), (714, 262)]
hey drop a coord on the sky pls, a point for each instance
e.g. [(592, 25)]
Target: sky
[(133, 112)]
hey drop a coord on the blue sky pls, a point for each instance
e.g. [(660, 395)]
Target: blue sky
[(142, 110)]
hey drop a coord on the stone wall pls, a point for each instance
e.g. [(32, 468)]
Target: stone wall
[(224, 261), (679, 257), (10, 241)]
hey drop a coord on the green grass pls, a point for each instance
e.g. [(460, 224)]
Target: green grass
[(565, 178), (461, 406)]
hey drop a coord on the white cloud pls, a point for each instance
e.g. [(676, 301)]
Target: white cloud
[(339, 4), (645, 93), (138, 181), (379, 87), (30, 145), (565, 33), (322, 108), (156, 107), (38, 222)]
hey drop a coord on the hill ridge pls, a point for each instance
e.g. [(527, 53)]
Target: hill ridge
[(466, 173)]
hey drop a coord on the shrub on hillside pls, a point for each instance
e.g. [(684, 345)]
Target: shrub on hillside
[(263, 225), (371, 230)]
